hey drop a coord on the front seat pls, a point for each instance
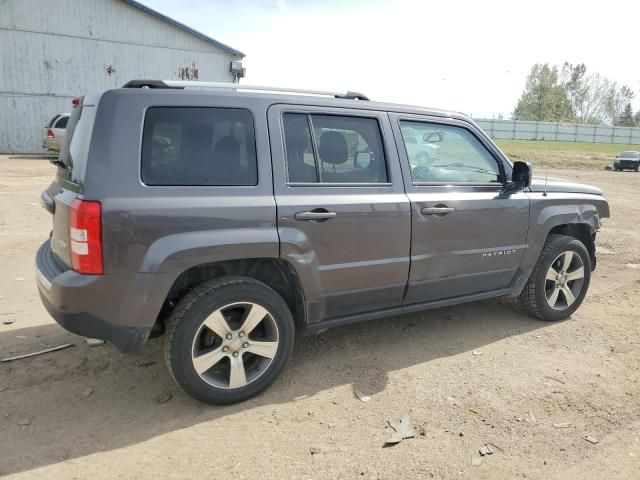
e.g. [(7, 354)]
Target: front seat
[(333, 150)]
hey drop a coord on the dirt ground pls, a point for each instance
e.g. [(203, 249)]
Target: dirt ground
[(467, 375)]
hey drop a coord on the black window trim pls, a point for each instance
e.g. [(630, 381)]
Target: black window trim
[(255, 141), (464, 125), (319, 184), (314, 150)]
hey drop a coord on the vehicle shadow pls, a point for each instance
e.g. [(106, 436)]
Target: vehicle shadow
[(124, 404)]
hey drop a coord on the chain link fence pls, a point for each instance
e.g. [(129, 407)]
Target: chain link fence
[(565, 132)]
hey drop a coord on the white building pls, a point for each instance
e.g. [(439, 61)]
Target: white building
[(52, 51)]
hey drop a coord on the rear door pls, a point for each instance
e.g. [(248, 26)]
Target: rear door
[(468, 237), (343, 217)]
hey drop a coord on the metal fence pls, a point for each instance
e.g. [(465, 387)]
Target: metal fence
[(566, 132)]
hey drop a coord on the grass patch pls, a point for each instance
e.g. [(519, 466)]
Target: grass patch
[(581, 155)]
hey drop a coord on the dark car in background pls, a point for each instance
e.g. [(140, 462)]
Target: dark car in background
[(627, 161)]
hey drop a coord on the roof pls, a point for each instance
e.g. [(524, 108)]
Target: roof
[(283, 96), (186, 28)]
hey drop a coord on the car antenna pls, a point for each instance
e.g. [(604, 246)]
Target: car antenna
[(546, 173)]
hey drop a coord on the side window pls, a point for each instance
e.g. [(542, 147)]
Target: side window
[(333, 149), (62, 122), (198, 146), (447, 154), (301, 163)]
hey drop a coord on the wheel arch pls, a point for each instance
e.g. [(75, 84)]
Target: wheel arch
[(274, 272), (579, 231), (577, 221)]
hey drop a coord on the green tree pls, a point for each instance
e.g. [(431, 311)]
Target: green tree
[(544, 97), (636, 119), (572, 77), (626, 119), (618, 99)]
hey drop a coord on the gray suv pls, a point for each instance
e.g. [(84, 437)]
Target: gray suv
[(226, 217)]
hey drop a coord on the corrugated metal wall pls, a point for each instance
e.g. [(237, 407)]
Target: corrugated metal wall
[(51, 52), (566, 132)]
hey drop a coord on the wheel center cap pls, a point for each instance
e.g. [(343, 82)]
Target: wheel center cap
[(235, 344)]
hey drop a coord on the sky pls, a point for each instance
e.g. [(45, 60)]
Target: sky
[(464, 55)]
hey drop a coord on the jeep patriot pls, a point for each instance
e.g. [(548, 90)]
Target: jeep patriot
[(225, 217)]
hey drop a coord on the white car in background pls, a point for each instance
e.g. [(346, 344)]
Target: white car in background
[(54, 133), (422, 148)]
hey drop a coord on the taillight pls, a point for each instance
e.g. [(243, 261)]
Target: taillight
[(75, 102), (85, 235), (50, 133)]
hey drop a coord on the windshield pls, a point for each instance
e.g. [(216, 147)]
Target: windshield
[(630, 155)]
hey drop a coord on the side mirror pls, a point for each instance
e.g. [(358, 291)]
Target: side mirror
[(520, 177), (363, 159)]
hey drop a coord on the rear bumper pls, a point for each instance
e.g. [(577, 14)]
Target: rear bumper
[(52, 144), (108, 307), (126, 339)]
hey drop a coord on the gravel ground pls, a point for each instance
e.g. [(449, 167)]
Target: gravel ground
[(467, 376)]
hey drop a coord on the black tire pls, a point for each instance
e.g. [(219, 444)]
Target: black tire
[(533, 298), (186, 322)]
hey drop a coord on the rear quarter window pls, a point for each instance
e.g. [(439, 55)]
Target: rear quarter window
[(199, 146)]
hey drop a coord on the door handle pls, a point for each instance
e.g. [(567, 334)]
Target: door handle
[(437, 210), (315, 215)]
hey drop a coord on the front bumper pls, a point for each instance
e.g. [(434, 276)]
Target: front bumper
[(93, 305), (626, 165)]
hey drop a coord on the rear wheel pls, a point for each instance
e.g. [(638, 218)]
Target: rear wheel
[(228, 339), (559, 281)]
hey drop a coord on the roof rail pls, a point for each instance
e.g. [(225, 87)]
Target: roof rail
[(192, 85)]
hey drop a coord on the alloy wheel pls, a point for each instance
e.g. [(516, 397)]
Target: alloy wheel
[(235, 345), (564, 280)]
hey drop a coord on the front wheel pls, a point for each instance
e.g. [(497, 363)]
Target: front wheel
[(228, 340), (559, 281)]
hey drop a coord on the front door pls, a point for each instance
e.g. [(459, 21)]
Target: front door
[(343, 216), (468, 237)]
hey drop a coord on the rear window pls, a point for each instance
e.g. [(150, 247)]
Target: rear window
[(62, 122), (343, 149), (201, 146)]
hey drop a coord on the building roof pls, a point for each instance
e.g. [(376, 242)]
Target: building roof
[(186, 28)]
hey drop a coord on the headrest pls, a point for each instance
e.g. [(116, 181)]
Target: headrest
[(333, 148)]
